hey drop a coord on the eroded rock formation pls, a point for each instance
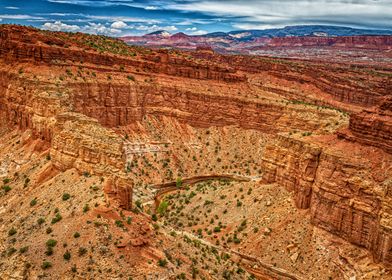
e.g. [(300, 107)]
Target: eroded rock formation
[(82, 143), (121, 104), (372, 126), (345, 192)]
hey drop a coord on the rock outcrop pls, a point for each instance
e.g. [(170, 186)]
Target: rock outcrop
[(345, 193), (82, 143), (372, 126), (293, 164), (27, 104), (31, 45), (118, 105)]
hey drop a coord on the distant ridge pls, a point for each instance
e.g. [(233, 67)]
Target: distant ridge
[(295, 30), (254, 41)]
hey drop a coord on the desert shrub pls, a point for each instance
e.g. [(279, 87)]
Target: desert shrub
[(57, 218), (12, 232), (6, 181), (46, 265), (33, 202), (162, 262), (23, 249), (49, 251), (162, 207), (178, 182), (67, 255), (40, 221), (66, 196), (119, 223), (86, 208), (82, 251), (51, 243)]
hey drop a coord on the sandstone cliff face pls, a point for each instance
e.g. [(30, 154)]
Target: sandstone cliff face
[(28, 104), (121, 104), (292, 164), (32, 46), (372, 127), (82, 143), (359, 85), (344, 193)]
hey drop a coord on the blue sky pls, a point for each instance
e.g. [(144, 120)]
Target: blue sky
[(134, 17)]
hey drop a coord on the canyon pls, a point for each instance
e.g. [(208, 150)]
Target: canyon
[(90, 126)]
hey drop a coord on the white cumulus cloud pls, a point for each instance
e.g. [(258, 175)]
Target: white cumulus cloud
[(119, 25), (99, 28), (92, 28), (59, 26)]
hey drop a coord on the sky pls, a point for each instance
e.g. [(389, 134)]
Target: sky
[(195, 17)]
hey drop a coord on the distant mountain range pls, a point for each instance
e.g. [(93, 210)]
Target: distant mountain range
[(244, 41)]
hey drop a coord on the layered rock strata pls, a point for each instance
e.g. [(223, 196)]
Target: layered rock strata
[(372, 127), (82, 143), (121, 104), (345, 193), (19, 45)]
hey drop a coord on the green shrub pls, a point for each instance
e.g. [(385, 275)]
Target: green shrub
[(12, 232), (66, 196), (76, 235), (49, 251), (82, 251), (46, 265), (7, 188), (40, 221), (162, 262), (23, 249), (6, 181), (67, 255), (57, 218), (162, 207), (33, 202), (119, 223), (86, 208), (138, 204), (178, 182), (51, 243)]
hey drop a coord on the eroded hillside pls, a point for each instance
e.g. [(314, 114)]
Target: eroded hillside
[(121, 162)]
